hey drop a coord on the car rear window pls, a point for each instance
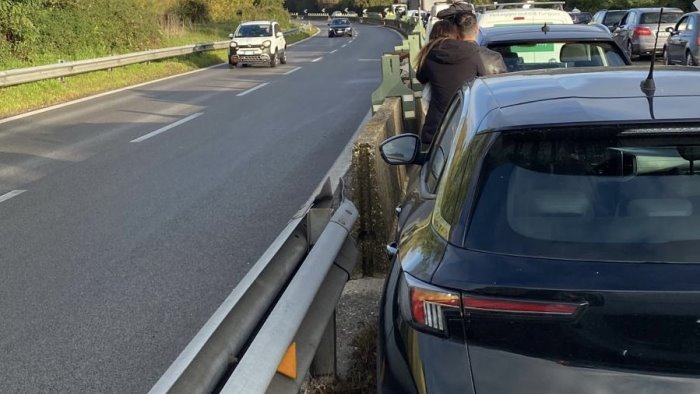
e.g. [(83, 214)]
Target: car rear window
[(590, 194), (534, 56), (648, 18), (613, 17)]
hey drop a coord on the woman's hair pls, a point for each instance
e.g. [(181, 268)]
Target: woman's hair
[(442, 30)]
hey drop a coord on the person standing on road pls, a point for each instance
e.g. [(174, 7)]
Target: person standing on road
[(450, 63)]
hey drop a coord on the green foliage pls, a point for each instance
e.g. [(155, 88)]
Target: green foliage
[(195, 11)]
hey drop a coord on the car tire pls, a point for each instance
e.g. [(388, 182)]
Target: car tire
[(232, 65), (630, 49), (689, 61), (283, 58), (273, 59), (330, 35), (667, 60)]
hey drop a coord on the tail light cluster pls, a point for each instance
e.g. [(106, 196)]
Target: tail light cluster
[(641, 31), (429, 306)]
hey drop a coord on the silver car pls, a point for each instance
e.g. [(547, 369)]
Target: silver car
[(636, 31), (683, 45)]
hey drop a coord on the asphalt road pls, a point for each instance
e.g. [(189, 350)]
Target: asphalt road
[(127, 219)]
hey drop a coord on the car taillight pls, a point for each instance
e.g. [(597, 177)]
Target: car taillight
[(473, 303), (641, 31), (697, 40), (427, 304)]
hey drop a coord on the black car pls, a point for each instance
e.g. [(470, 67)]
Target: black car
[(339, 27), (683, 43), (549, 239), (608, 18), (531, 47)]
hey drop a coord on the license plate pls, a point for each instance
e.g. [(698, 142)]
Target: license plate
[(246, 52)]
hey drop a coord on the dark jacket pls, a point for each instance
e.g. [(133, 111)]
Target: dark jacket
[(447, 67)]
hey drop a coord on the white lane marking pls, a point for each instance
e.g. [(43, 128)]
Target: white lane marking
[(11, 194), (344, 45), (253, 89), (292, 70), (168, 127), (369, 60), (317, 59), (333, 51)]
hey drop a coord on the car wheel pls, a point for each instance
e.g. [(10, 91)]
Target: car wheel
[(689, 61), (283, 58), (667, 60), (631, 51), (273, 60), (232, 65)]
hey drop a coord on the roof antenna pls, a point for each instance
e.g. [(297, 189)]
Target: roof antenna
[(648, 86), (545, 29)]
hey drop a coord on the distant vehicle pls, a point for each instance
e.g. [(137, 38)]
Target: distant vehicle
[(336, 14), (581, 17), (609, 18), (528, 47), (683, 43), (432, 19), (257, 42), (548, 241), (415, 15), (636, 31), (339, 27)]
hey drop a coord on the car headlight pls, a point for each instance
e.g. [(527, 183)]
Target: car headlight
[(233, 44), (266, 43)]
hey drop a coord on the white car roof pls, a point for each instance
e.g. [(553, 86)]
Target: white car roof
[(257, 23), (520, 16)]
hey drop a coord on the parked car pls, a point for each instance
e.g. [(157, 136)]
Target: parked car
[(339, 27), (531, 47), (608, 18), (258, 42), (548, 239), (636, 31), (683, 43), (581, 17)]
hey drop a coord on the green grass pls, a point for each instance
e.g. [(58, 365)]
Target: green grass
[(22, 98)]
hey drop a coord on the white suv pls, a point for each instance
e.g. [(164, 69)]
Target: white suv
[(257, 42)]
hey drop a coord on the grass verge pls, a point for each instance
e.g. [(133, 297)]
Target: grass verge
[(31, 96)]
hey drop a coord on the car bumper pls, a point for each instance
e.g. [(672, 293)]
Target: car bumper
[(249, 59), (340, 33), (645, 45)]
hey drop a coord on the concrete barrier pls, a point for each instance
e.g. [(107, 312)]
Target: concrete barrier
[(377, 187)]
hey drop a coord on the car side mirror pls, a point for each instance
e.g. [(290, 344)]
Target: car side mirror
[(230, 35), (401, 149)]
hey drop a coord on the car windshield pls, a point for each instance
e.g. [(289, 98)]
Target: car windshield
[(590, 193), (613, 17), (533, 56), (254, 31), (649, 18), (340, 22)]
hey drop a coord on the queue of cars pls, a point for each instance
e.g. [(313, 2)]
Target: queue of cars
[(547, 240)]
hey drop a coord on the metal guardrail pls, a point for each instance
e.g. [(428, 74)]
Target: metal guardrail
[(288, 297), (65, 69)]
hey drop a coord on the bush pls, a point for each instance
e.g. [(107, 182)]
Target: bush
[(194, 11)]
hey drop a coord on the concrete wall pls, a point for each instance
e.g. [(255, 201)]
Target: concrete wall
[(377, 187)]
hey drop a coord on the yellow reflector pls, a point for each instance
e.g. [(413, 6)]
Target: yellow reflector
[(288, 365)]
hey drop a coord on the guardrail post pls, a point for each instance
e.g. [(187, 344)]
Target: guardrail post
[(393, 86), (324, 362)]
